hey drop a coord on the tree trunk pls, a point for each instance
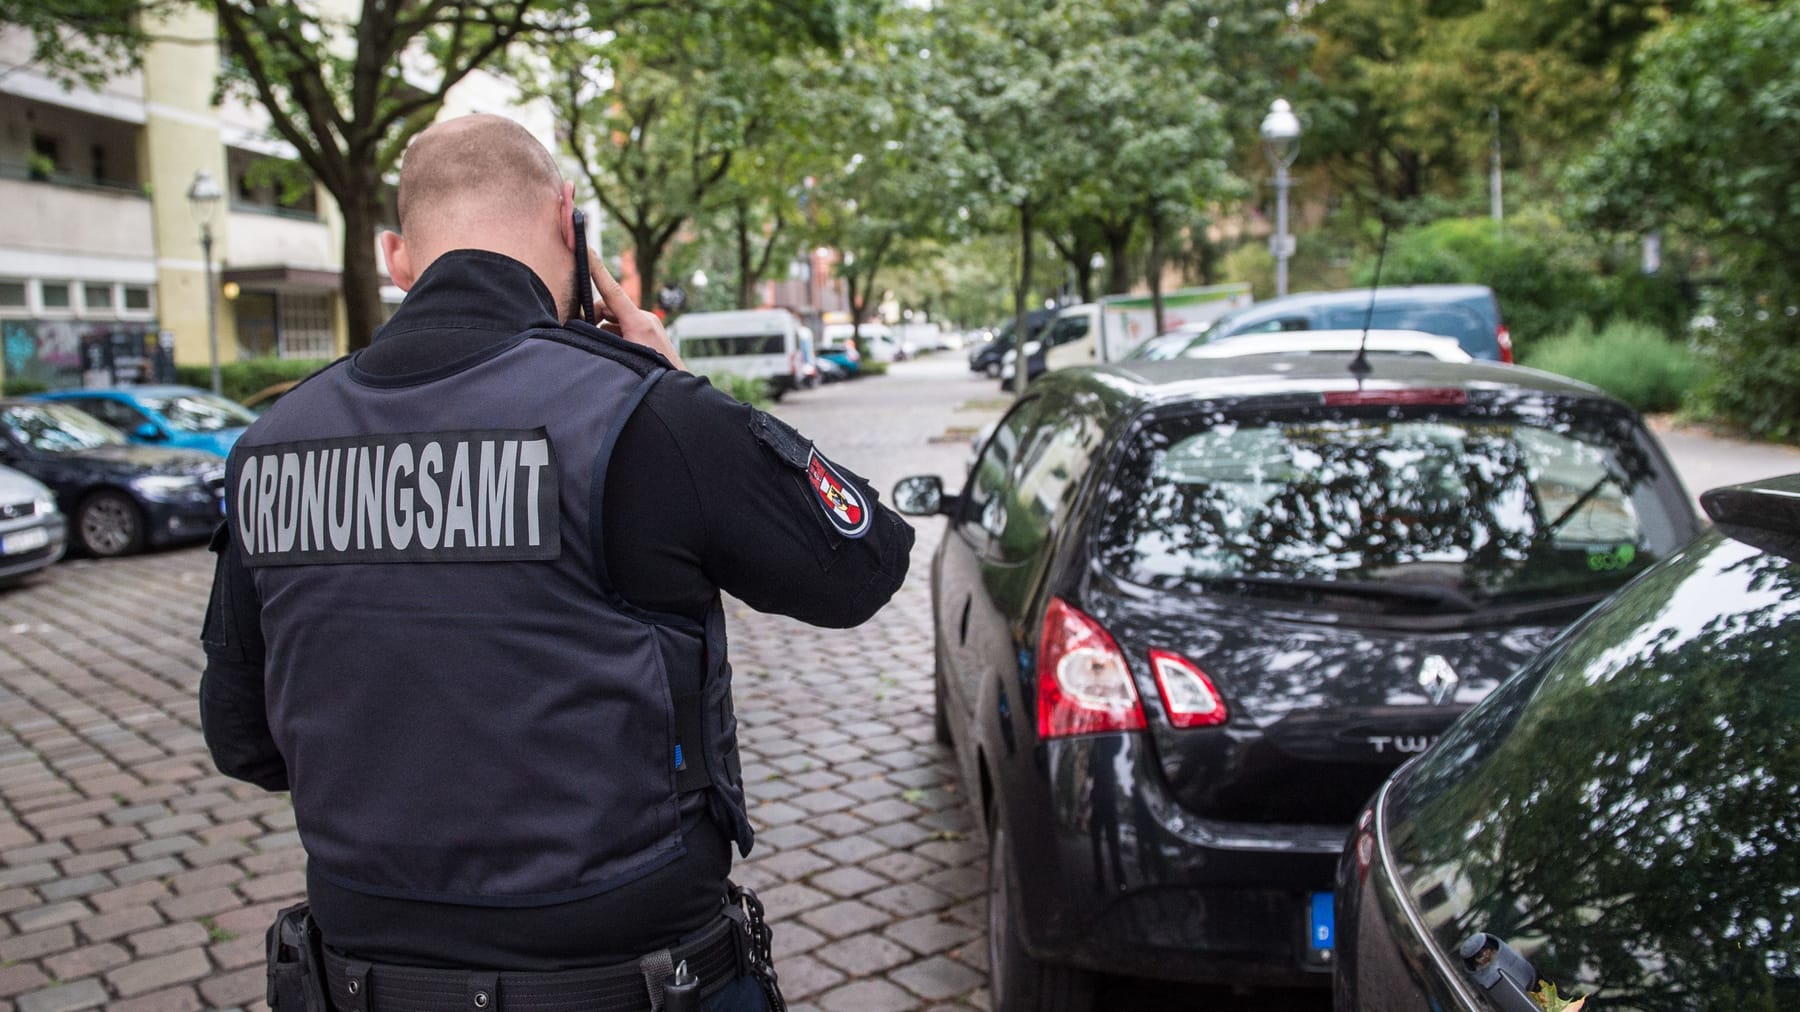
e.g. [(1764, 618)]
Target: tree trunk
[(361, 282), (1156, 267), (1020, 335), (1118, 242), (649, 255), (746, 282)]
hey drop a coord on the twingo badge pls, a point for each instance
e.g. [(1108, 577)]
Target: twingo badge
[(843, 504), (467, 496)]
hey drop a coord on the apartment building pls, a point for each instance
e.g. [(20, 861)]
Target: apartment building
[(102, 275)]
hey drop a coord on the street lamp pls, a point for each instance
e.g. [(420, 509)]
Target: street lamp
[(203, 199), (1281, 140)]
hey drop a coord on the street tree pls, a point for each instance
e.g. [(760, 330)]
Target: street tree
[(657, 109), (1705, 145), (348, 91), (891, 185)]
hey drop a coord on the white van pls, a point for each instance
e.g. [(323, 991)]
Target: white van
[(766, 344)]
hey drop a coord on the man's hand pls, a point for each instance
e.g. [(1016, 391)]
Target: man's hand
[(619, 315)]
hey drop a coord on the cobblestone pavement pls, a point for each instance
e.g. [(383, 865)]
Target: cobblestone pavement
[(133, 876)]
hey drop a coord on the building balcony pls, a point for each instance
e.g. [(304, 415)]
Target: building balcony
[(269, 237), (81, 220)]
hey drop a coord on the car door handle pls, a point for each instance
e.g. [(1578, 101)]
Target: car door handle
[(962, 630)]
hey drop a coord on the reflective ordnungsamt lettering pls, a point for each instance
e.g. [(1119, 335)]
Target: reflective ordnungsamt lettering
[(468, 496)]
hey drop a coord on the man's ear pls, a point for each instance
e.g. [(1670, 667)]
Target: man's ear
[(399, 261), (565, 215)]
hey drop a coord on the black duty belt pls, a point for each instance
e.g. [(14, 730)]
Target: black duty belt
[(715, 957)]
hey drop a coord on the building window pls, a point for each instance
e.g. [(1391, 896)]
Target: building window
[(56, 295), (306, 330), (12, 295), (96, 296), (137, 299)]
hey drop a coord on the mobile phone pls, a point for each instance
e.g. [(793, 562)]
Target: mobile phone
[(584, 281)]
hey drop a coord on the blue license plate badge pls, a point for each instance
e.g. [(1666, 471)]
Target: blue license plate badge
[(1322, 931)]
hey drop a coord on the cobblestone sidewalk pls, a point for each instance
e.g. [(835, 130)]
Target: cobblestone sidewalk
[(134, 877)]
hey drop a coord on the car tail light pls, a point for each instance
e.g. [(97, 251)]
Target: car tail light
[(1504, 337), (1083, 686), (1190, 697), (1392, 398)]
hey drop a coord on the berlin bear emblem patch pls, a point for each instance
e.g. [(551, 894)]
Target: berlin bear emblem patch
[(843, 504)]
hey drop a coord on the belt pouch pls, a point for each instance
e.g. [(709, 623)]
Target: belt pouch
[(295, 978)]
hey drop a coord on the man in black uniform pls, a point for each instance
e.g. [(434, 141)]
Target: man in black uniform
[(467, 608)]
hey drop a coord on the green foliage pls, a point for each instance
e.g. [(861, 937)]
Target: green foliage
[(750, 390), (83, 41), (1751, 342), (1634, 362), (1544, 276), (21, 386), (1706, 146), (242, 378)]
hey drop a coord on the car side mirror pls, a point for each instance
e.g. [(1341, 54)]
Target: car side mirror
[(149, 432), (922, 495)]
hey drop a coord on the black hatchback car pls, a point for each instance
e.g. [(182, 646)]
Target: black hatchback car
[(118, 497), (1190, 615), (1622, 819)]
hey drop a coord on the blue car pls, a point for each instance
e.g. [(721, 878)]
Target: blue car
[(185, 418), (1469, 313)]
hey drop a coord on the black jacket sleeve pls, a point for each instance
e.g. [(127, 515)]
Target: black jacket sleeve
[(705, 493), (232, 715)]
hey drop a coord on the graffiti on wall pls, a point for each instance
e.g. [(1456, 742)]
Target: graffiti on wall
[(72, 353)]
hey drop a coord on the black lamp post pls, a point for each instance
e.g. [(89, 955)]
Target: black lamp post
[(203, 199)]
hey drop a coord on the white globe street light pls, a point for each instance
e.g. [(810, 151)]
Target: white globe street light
[(203, 199), (1281, 140)]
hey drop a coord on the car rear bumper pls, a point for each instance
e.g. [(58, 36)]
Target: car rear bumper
[(1115, 876)]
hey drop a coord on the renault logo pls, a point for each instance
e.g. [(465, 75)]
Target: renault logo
[(1438, 678)]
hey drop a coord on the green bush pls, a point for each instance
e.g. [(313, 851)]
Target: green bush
[(1751, 344), (870, 367), (754, 392), (22, 386), (1632, 361), (240, 379)]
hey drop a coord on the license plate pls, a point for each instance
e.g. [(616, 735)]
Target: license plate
[(24, 541), (1322, 930)]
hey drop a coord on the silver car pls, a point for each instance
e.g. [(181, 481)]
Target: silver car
[(33, 532)]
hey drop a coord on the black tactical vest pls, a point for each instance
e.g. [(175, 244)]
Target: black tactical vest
[(468, 711)]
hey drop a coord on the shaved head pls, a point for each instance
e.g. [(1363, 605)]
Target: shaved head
[(476, 173), (483, 182)]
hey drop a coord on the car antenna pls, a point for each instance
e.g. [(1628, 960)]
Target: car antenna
[(1359, 366)]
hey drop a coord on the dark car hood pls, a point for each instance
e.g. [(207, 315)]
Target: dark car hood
[(1318, 703), (131, 459)]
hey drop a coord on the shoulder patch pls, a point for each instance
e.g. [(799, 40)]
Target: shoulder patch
[(844, 506)]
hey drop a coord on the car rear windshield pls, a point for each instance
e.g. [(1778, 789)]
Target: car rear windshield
[(1487, 506), (1470, 328), (1623, 812)]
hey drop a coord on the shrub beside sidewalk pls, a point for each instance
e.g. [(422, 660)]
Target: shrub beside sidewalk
[(1632, 361)]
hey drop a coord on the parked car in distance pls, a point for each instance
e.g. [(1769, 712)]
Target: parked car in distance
[(177, 417), (880, 342), (1469, 313), (1344, 344), (766, 344), (842, 353), (118, 497), (263, 399), (33, 532), (1618, 820), (988, 357), (1189, 615)]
